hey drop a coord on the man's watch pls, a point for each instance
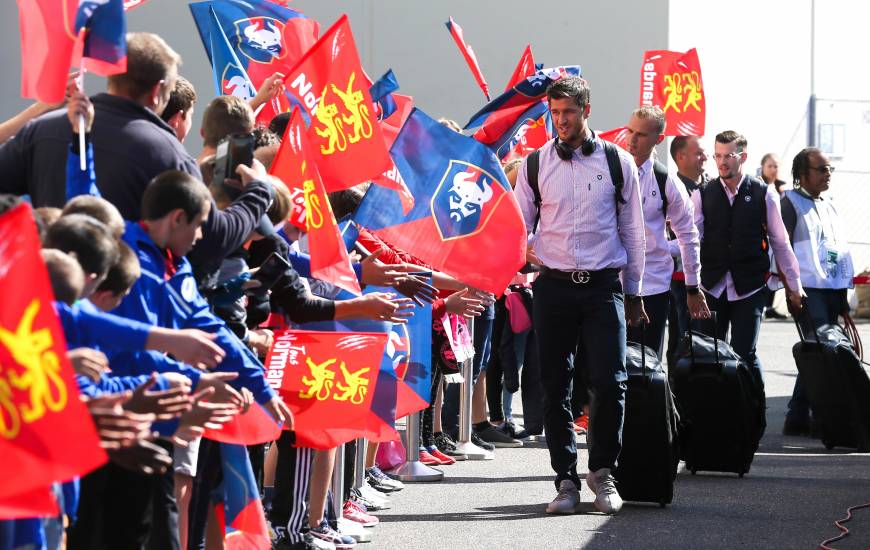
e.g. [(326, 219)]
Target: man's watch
[(632, 298), (693, 290)]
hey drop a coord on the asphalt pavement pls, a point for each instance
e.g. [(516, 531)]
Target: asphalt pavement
[(794, 492)]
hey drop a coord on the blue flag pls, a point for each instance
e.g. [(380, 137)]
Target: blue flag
[(230, 77), (381, 92)]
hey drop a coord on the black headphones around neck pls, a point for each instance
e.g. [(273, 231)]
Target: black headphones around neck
[(565, 151)]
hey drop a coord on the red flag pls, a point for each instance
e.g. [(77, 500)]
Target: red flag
[(252, 427), (525, 68), (468, 54), (31, 504), (391, 178), (672, 81), (46, 432), (131, 4), (328, 380), (47, 41), (329, 259), (347, 142), (617, 136)]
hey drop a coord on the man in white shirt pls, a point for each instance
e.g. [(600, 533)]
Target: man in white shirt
[(585, 193), (662, 199), (739, 218)]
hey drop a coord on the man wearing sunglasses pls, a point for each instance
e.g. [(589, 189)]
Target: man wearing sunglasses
[(820, 244), (739, 219)]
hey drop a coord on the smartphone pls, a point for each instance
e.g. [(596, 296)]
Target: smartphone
[(232, 151), (271, 271)]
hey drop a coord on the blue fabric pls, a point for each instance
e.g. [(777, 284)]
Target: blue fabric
[(84, 326), (175, 302), (79, 182)]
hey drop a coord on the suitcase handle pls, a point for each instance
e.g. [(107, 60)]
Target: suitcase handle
[(715, 338), (804, 311)]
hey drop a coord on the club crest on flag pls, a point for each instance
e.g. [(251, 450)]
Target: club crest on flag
[(399, 349), (340, 127), (260, 38), (235, 83), (464, 200)]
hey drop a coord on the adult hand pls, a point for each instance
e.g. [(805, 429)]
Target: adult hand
[(635, 314), (163, 404), (79, 105), (255, 172), (486, 298), (177, 380), (88, 362), (280, 412), (698, 308), (795, 301), (261, 340), (384, 306), (377, 273), (204, 413), (417, 289), (459, 303), (531, 257), (191, 346), (143, 457), (269, 90), (118, 427), (223, 392)]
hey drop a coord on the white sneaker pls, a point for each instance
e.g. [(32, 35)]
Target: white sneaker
[(607, 499), (567, 500), (373, 495), (352, 529)]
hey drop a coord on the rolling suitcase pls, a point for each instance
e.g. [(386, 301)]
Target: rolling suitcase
[(647, 465), (721, 405), (837, 387)]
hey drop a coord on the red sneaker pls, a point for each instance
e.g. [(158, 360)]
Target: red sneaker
[(429, 460), (445, 460), (581, 425), (356, 514)]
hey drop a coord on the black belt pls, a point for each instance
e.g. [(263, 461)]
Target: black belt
[(582, 276)]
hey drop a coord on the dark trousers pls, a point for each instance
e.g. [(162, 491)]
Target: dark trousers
[(208, 476), (657, 307), (678, 319), (561, 308), (743, 317), (427, 415), (506, 359), (292, 482), (580, 382), (821, 307), (482, 346), (533, 390)]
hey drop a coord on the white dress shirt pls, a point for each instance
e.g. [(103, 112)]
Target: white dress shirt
[(579, 228), (776, 233), (659, 263)]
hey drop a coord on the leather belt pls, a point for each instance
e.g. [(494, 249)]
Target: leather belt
[(582, 276)]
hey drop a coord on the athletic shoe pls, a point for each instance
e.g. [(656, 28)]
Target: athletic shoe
[(428, 459), (446, 445), (497, 437), (445, 460), (581, 425), (324, 532), (381, 481), (607, 499), (354, 513), (353, 530), (376, 499), (566, 500), (796, 426), (512, 430), (481, 443), (282, 542)]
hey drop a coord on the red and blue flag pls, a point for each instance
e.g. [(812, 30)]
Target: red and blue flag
[(237, 502), (463, 206), (104, 47), (230, 77)]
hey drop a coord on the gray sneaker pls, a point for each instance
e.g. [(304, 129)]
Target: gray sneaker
[(497, 438), (566, 500), (607, 499)]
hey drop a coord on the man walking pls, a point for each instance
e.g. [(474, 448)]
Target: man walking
[(580, 197)]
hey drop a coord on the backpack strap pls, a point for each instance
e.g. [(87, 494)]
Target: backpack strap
[(533, 162), (661, 173), (615, 167)]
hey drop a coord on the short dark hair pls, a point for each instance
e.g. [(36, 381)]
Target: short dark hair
[(346, 201), (44, 216), (149, 60), (730, 136), (264, 137), (226, 115), (172, 190), (99, 209), (124, 273), (65, 274), (678, 144), (278, 125), (800, 166), (572, 87), (87, 239), (8, 202), (182, 98)]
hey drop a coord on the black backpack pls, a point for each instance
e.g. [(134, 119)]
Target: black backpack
[(661, 173)]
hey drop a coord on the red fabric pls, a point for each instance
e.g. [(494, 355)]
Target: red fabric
[(617, 136), (391, 178), (47, 41), (34, 503), (315, 374), (347, 141), (469, 55), (672, 81), (524, 69), (46, 432), (251, 428), (131, 4)]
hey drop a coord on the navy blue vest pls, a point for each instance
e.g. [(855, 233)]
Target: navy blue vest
[(735, 236)]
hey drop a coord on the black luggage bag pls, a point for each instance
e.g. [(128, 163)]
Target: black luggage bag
[(721, 405), (650, 453), (836, 386)]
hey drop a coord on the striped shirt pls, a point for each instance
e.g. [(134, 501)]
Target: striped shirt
[(579, 227)]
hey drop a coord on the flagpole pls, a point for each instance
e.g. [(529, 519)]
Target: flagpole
[(83, 161), (466, 390), (412, 470)]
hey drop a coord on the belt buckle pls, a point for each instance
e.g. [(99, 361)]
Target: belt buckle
[(580, 277)]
